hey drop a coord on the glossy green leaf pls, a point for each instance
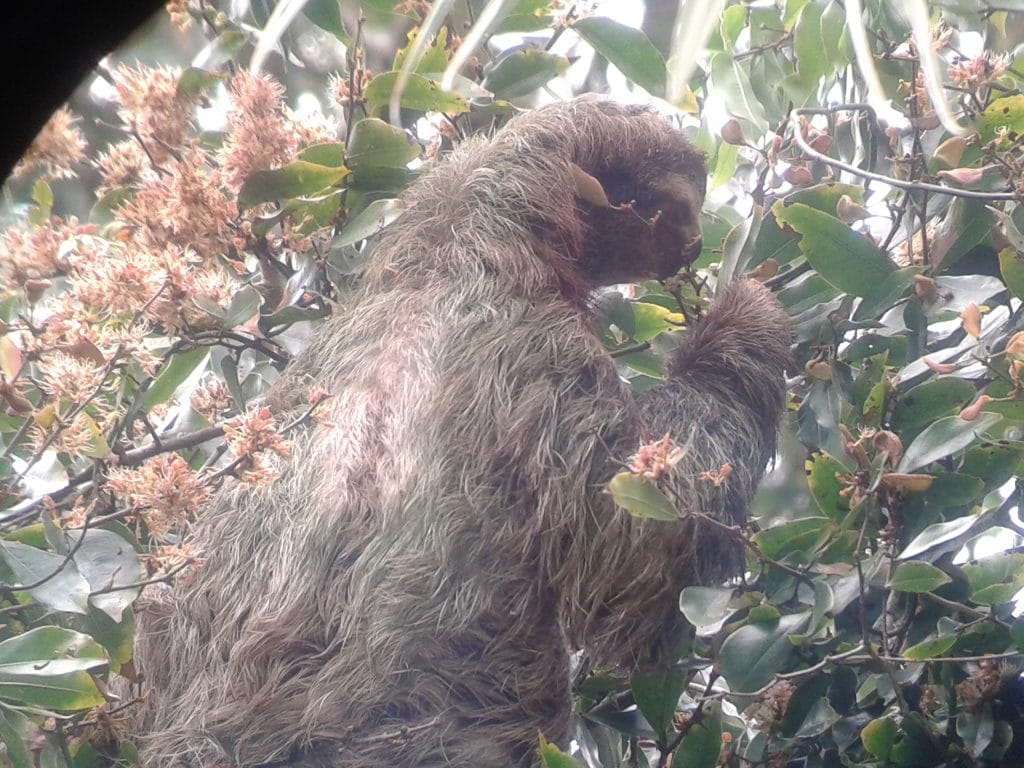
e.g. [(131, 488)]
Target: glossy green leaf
[(966, 224), (552, 757), (752, 655), (707, 608), (368, 222), (523, 71), (641, 498), (926, 403), (1007, 112), (651, 320), (245, 304), (843, 257), (731, 81), (62, 587), (833, 30), (776, 243), (195, 81), (15, 731), (42, 196), (628, 49), (996, 579), (104, 210), (526, 16), (434, 59), (297, 179), (107, 561), (378, 144), (939, 533), (944, 438), (702, 744), (917, 576), (1011, 267), (932, 648), (420, 93), (48, 667), (878, 737), (819, 719), (810, 62), (656, 694), (801, 535), (330, 154), (725, 164), (326, 14), (977, 729), (172, 375)]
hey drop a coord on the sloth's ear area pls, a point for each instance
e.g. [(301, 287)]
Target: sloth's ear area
[(589, 189)]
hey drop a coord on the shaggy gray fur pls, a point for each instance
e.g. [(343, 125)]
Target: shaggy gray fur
[(407, 593)]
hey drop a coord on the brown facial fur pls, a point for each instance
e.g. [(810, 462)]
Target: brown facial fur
[(407, 592)]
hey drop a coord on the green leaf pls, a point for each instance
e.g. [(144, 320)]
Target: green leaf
[(656, 694), (117, 638), (939, 533), (878, 736), (377, 144), (800, 535), (174, 372), (707, 608), (811, 64), (15, 730), (966, 224), (297, 179), (104, 210), (1017, 633), (918, 745), (627, 48), (641, 498), (106, 560), (930, 649), (944, 438), (64, 589), (846, 259), (420, 93), (552, 757), (927, 403), (752, 655), (195, 81), (1012, 270), (326, 14), (976, 728), (244, 305), (995, 580), (523, 71), (725, 163), (368, 222), (434, 58), (833, 26), (734, 20), (776, 243), (917, 576), (1007, 112), (48, 667), (819, 719), (729, 78), (651, 320), (330, 154), (42, 196), (526, 16), (702, 744)]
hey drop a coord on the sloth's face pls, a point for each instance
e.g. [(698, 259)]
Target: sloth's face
[(649, 231)]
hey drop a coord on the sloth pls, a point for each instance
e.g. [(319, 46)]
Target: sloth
[(409, 590)]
